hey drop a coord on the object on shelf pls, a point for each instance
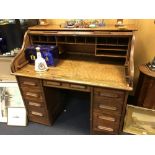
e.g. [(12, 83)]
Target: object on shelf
[(40, 63), (119, 23), (151, 65), (43, 22), (48, 52)]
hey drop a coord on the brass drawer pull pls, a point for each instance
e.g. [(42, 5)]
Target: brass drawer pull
[(53, 83), (34, 104), (105, 128), (108, 95), (29, 83), (77, 86), (107, 107), (37, 113), (107, 118), (31, 94)]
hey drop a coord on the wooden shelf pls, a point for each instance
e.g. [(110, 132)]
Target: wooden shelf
[(111, 49), (112, 56), (113, 44)]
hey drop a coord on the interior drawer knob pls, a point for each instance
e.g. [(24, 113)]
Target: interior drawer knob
[(32, 94), (105, 128), (35, 104), (107, 107), (107, 118), (37, 113)]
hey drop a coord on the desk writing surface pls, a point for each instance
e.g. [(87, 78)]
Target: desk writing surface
[(81, 72)]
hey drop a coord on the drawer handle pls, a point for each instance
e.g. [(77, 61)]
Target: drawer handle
[(77, 86), (105, 128), (107, 118), (53, 83), (108, 95), (37, 113), (29, 83), (32, 94), (34, 104), (107, 107)]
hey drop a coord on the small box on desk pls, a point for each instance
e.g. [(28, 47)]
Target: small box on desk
[(49, 52)]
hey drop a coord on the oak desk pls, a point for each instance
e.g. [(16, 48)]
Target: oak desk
[(96, 61)]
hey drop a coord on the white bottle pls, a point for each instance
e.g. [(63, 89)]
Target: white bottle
[(40, 63)]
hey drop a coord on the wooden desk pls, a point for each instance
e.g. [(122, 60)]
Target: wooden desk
[(96, 61)]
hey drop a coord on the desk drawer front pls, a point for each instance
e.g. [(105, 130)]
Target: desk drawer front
[(38, 114), (66, 85), (33, 95), (105, 123), (39, 119), (109, 93), (29, 82), (108, 105), (34, 104), (37, 111)]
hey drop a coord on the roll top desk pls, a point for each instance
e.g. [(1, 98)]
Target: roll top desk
[(98, 61)]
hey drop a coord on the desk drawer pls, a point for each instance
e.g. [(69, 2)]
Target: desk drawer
[(66, 85), (109, 93), (34, 104), (38, 114), (106, 123), (39, 119), (30, 82), (102, 104), (33, 95)]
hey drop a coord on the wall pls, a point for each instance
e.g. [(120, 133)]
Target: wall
[(144, 44)]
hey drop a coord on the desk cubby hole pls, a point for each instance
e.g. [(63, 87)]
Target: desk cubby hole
[(61, 39), (90, 40), (70, 39), (51, 39), (80, 40), (43, 38), (123, 41), (35, 38), (101, 40)]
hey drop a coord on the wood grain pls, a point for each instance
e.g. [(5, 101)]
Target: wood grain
[(82, 72)]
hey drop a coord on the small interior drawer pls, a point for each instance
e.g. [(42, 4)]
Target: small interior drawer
[(29, 82), (109, 93), (66, 85)]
